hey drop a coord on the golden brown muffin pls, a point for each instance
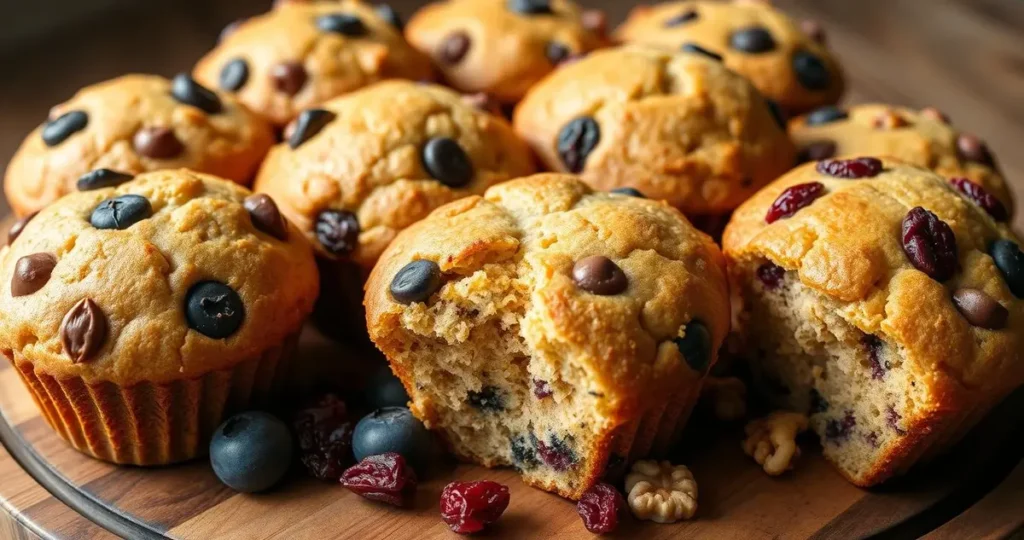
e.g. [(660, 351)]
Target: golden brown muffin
[(677, 126), (503, 47), (924, 138), (788, 63), (551, 328), (129, 125), (878, 299), (302, 54), (139, 316)]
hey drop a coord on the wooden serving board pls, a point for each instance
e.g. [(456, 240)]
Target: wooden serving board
[(50, 490)]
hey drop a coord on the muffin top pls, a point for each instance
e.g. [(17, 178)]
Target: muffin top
[(924, 138), (788, 63), (678, 126), (365, 166), (903, 254), (302, 54), (165, 277), (503, 47), (133, 124)]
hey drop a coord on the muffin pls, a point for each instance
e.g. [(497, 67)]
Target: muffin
[(881, 301), (302, 54), (138, 316), (788, 62), (129, 125), (548, 327), (355, 172), (676, 126), (924, 138), (503, 47)]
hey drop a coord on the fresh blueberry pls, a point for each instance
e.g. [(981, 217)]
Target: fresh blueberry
[(251, 451), (393, 429), (121, 212), (385, 390)]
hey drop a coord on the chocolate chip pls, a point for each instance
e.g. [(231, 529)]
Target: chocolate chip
[(813, 29), (234, 75), (214, 310), (681, 19), (695, 346), (980, 309), (595, 20), (530, 7), (752, 40), (935, 114), (265, 215), (186, 90), (632, 192), (338, 231), (121, 212), (454, 47), (576, 141), (288, 77), (157, 143), (308, 124), (825, 115), (1010, 261), (101, 178), (557, 52), (31, 272), (599, 275), (817, 151), (341, 23), (416, 281), (57, 130), (777, 113), (483, 101), (972, 148), (694, 48), (83, 331), (390, 16), (15, 231), (447, 162), (810, 71)]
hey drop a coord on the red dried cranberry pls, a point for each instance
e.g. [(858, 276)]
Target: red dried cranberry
[(541, 389), (982, 198), (469, 507), (556, 455), (324, 434), (864, 167), (930, 244), (771, 275), (793, 199), (601, 507), (385, 478)]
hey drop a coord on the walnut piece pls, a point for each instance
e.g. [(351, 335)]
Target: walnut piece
[(771, 440), (726, 397), (661, 492)]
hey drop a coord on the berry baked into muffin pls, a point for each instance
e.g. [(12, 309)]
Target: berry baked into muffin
[(924, 138), (788, 62), (551, 328), (136, 123), (139, 316), (503, 47), (883, 302), (302, 54), (677, 126)]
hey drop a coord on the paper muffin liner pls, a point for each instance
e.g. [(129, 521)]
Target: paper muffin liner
[(339, 311), (156, 423)]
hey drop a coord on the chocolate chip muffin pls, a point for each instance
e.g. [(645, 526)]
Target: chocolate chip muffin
[(503, 47), (677, 126), (302, 54), (551, 328), (138, 316), (136, 123), (788, 62), (882, 301), (924, 138)]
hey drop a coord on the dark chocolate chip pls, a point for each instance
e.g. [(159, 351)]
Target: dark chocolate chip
[(695, 346), (447, 162), (681, 18), (454, 47), (415, 282), (817, 151), (265, 215), (101, 178), (390, 16), (576, 141), (342, 23), (813, 29), (599, 275), (121, 212), (308, 124), (234, 75), (810, 71), (752, 40), (971, 148), (557, 52), (1010, 261), (31, 272), (157, 143), (83, 331), (632, 192), (530, 7), (825, 115), (289, 77), (980, 309), (777, 113), (57, 130), (186, 90), (338, 231), (697, 49), (214, 310), (15, 231), (488, 399)]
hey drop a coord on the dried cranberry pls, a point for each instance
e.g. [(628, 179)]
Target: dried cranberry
[(542, 389), (601, 507), (793, 199), (930, 244), (864, 167), (982, 198), (385, 478), (771, 275), (324, 434), (557, 455), (469, 507), (874, 347)]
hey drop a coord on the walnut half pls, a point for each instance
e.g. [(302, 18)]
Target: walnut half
[(661, 492), (771, 440)]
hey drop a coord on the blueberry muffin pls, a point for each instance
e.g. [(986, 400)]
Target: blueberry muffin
[(503, 47), (302, 54), (677, 126), (788, 62), (129, 125), (138, 316), (545, 326), (883, 302), (924, 138)]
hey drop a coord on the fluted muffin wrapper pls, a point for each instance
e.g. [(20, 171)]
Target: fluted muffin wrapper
[(156, 423), (655, 432)]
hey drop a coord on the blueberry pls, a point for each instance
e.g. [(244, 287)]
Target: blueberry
[(810, 71), (695, 346), (632, 192), (416, 281), (1010, 260), (383, 389), (251, 452), (214, 309), (57, 130), (393, 429), (121, 212), (825, 115)]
